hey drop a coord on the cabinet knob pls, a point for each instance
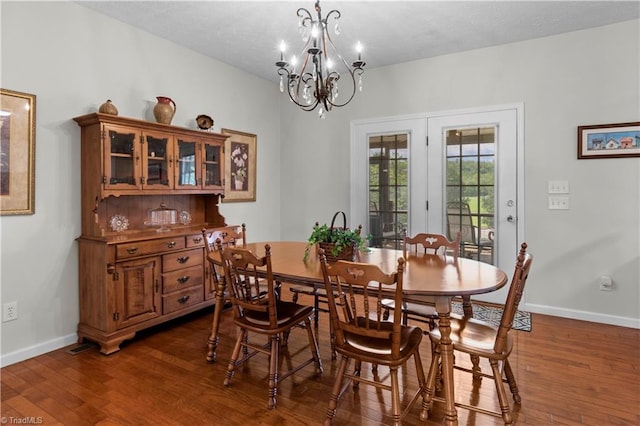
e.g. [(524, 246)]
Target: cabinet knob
[(172, 244), (183, 279), (197, 240), (183, 299), (132, 250), (183, 259)]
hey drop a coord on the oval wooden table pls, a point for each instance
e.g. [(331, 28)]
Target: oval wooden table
[(424, 275)]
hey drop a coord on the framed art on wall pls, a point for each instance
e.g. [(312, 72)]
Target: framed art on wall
[(609, 140), (240, 166), (17, 152)]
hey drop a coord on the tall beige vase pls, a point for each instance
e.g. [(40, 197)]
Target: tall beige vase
[(164, 110)]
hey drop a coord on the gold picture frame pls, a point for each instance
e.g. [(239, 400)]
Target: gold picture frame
[(240, 166), (17, 152)]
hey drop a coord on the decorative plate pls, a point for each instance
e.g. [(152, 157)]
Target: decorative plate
[(119, 223), (204, 122), (185, 217)]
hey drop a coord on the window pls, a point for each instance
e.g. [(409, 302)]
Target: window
[(388, 189), (471, 190)]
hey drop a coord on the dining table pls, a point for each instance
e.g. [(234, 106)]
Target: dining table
[(441, 276)]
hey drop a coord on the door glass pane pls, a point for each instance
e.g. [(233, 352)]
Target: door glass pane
[(186, 163), (157, 161), (388, 189), (470, 190), (121, 155)]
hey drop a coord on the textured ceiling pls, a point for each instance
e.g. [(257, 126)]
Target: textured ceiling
[(246, 34)]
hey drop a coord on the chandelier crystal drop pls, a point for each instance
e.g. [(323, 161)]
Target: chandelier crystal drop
[(313, 81)]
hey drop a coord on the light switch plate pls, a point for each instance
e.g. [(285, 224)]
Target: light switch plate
[(558, 187), (558, 203)]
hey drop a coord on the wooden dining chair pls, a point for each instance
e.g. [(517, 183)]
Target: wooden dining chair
[(361, 334), (228, 236), (264, 315), (484, 340), (422, 308)]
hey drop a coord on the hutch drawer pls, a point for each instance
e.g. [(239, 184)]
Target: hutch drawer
[(149, 247), (195, 240), (182, 259), (181, 300), (181, 279)]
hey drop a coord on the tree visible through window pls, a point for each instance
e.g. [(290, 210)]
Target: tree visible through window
[(471, 156)]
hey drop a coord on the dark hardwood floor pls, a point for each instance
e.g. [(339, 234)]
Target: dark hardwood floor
[(569, 373)]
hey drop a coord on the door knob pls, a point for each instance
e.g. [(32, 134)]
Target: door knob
[(510, 218)]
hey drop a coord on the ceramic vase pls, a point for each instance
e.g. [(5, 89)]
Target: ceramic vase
[(164, 110), (108, 108)]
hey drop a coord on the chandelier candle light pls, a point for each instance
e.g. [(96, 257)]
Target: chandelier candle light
[(315, 82)]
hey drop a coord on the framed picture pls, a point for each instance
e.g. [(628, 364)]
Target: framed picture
[(17, 152), (609, 140), (240, 166)]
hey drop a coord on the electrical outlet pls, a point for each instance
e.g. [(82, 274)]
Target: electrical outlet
[(558, 187), (10, 311), (558, 203)]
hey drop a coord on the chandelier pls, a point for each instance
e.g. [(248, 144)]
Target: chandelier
[(313, 81)]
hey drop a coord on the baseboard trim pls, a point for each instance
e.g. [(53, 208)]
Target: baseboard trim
[(581, 315), (39, 349), (61, 342)]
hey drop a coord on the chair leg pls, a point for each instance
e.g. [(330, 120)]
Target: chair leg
[(242, 335), (313, 346), (273, 370), (357, 371), (511, 380), (423, 386), (502, 393), (316, 311), (395, 396), (405, 317), (476, 370), (332, 337), (285, 337), (335, 393), (245, 348), (432, 375)]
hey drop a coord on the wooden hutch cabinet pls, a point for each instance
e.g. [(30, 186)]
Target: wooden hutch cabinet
[(133, 273)]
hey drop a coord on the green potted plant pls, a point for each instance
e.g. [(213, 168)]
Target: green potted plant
[(338, 243)]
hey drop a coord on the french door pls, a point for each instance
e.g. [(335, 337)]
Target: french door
[(469, 171)]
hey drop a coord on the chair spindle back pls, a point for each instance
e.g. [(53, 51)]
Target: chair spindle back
[(516, 288), (360, 288), (431, 243), (243, 281)]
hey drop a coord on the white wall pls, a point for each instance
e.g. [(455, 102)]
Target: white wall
[(584, 77), (73, 60)]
